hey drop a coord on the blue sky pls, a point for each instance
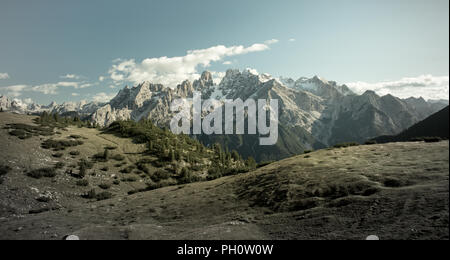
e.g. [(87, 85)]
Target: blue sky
[(380, 44)]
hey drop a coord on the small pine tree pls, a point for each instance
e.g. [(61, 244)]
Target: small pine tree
[(189, 158), (200, 148), (235, 155), (106, 154), (185, 175), (56, 117), (164, 150), (251, 163), (150, 145), (177, 155), (172, 156), (82, 173)]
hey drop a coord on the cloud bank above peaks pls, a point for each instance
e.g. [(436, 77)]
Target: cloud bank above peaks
[(426, 86), (4, 76), (171, 71), (47, 89)]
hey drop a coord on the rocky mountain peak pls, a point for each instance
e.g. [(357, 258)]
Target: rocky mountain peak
[(204, 83), (316, 78), (206, 76), (370, 93), (185, 89)]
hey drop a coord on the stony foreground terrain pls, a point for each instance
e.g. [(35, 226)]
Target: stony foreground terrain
[(394, 191)]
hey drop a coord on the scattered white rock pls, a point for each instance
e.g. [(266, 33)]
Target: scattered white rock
[(372, 237), (18, 229), (72, 237)]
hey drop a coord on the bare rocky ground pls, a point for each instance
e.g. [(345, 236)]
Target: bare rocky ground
[(394, 191)]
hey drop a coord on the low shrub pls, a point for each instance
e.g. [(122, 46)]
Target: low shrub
[(42, 172), (4, 169), (105, 186), (130, 179), (24, 131), (142, 167), (85, 163), (187, 177), (59, 165), (21, 134), (83, 183), (433, 139), (44, 199), (128, 169), (92, 194), (74, 153), (345, 145), (262, 164), (131, 192), (214, 173), (104, 196), (58, 155), (392, 182), (164, 183), (160, 175), (102, 157), (59, 145), (118, 157)]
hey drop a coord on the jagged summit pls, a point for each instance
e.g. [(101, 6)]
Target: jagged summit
[(370, 93), (317, 86)]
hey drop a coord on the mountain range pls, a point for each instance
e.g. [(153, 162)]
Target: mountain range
[(432, 128), (82, 108), (313, 113)]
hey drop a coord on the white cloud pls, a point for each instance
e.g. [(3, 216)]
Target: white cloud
[(227, 63), (101, 78), (172, 71), (73, 84), (13, 91), (426, 86), (66, 84), (273, 41), (292, 40), (71, 76), (28, 101), (75, 94), (103, 97), (47, 89), (85, 85), (4, 76), (252, 71)]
